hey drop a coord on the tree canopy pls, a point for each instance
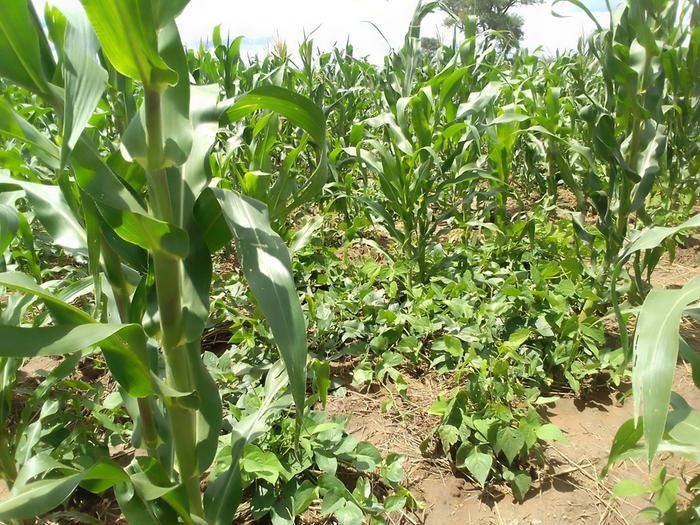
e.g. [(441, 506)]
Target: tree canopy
[(494, 15)]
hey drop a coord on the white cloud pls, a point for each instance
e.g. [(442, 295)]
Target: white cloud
[(334, 21)]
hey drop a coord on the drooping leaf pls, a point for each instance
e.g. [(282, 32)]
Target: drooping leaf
[(61, 312), (29, 499), (121, 210), (268, 269), (52, 210), (302, 112), (38, 497), (9, 224), (123, 346), (11, 124), (167, 10), (653, 236)]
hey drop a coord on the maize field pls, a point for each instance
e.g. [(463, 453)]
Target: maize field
[(461, 286)]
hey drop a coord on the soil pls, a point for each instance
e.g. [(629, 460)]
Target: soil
[(568, 489)]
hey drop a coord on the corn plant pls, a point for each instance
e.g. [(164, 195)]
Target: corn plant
[(654, 428), (147, 224), (626, 129)]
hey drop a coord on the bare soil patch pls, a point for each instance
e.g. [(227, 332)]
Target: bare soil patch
[(567, 491)]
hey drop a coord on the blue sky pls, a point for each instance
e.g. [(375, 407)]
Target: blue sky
[(334, 21)]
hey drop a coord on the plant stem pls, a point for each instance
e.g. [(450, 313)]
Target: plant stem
[(115, 276), (168, 272)]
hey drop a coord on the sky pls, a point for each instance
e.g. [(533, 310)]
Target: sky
[(262, 22)]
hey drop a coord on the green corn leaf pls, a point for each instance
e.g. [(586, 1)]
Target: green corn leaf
[(652, 237), (9, 225), (683, 426), (479, 100), (42, 463), (56, 25), (85, 79), (11, 124), (581, 6), (656, 350), (152, 482), (194, 176), (52, 210), (120, 209), (268, 270), (127, 32), (61, 311), (209, 410), (23, 56), (167, 10), (123, 346), (134, 508), (298, 109), (649, 165), (103, 476), (94, 247), (32, 498), (626, 440), (38, 497)]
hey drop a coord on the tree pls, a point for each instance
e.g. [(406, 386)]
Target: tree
[(493, 15)]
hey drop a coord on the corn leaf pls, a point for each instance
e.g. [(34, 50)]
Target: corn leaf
[(268, 270), (9, 224), (301, 111), (52, 210), (127, 33), (652, 237), (124, 347), (27, 500), (38, 497), (656, 350), (11, 124), (85, 79), (22, 45), (120, 209)]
